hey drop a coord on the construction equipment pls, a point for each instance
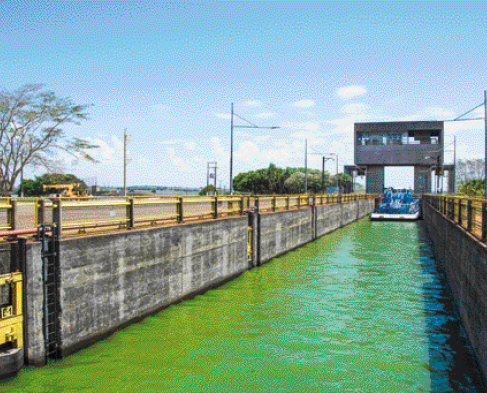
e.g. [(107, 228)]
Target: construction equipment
[(66, 190)]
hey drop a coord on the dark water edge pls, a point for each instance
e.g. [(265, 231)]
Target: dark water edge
[(364, 309)]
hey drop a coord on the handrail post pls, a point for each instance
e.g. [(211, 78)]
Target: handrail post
[(459, 211), (215, 210), (57, 214), (299, 201), (130, 213), (484, 221), (287, 203), (180, 209), (256, 205), (469, 215), (242, 205), (274, 204), (13, 215), (40, 210)]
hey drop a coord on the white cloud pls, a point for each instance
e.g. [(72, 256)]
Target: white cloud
[(118, 143), (226, 116), (304, 103), (265, 115), (220, 152), (247, 151), (252, 103), (347, 92), (262, 138), (177, 161), (190, 145)]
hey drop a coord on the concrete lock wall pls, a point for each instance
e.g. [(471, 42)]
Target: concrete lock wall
[(464, 261), (284, 231), (108, 281), (33, 306)]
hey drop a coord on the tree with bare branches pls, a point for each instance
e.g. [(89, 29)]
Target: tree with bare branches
[(469, 169), (31, 133)]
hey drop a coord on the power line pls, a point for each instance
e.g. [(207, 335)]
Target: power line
[(466, 113)]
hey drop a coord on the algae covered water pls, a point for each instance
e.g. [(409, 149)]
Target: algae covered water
[(361, 310)]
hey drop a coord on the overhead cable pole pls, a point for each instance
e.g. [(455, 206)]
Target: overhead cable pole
[(125, 141), (485, 131), (338, 186), (232, 126), (231, 152), (454, 164)]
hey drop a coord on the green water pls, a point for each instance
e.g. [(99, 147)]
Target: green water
[(360, 310)]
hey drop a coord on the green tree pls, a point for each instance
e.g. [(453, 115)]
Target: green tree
[(210, 189), (272, 180), (294, 184), (34, 187), (473, 188), (31, 133)]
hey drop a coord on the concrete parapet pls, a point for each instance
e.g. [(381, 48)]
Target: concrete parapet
[(463, 258)]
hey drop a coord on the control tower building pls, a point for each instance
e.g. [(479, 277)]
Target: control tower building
[(408, 143)]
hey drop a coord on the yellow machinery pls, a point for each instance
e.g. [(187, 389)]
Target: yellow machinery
[(11, 327), (67, 189), (11, 316)]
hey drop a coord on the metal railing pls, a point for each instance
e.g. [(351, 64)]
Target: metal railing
[(74, 216), (469, 213)]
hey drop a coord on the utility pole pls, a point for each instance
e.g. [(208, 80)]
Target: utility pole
[(454, 164), (323, 176), (485, 131), (438, 171), (338, 187), (305, 166), (215, 168), (125, 161)]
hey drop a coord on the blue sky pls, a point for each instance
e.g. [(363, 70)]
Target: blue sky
[(168, 71)]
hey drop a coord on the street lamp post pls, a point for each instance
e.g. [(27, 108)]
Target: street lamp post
[(437, 168), (323, 167), (336, 157), (485, 131), (232, 126)]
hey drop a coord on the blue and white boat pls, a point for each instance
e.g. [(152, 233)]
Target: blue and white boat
[(397, 205)]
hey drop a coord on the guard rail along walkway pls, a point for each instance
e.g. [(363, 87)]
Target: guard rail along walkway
[(469, 213), (78, 215)]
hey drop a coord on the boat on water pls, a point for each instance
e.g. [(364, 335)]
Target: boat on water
[(397, 205)]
